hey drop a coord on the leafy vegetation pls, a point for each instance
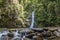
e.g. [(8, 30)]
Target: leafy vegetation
[(47, 12)]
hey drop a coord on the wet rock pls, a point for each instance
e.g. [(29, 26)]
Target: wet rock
[(10, 34), (52, 37), (23, 33), (44, 34), (4, 37), (24, 38), (38, 29), (52, 29), (39, 37), (48, 33), (34, 37), (29, 32), (30, 35), (39, 34), (16, 38), (57, 33), (45, 29), (58, 30)]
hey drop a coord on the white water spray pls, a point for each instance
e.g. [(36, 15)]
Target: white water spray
[(32, 22), (16, 33)]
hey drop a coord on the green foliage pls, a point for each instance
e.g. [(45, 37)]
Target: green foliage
[(11, 14), (47, 12)]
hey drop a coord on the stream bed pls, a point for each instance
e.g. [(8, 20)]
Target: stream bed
[(30, 34)]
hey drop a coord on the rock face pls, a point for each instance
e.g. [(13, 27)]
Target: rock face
[(11, 15)]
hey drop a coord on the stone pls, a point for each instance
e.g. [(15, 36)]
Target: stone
[(52, 37), (4, 37), (45, 29), (29, 32), (52, 29), (34, 37), (16, 38), (57, 33), (48, 33), (10, 34), (39, 34), (30, 35), (58, 30), (25, 38), (39, 38), (38, 30), (44, 34)]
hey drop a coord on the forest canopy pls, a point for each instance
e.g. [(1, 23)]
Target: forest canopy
[(47, 12)]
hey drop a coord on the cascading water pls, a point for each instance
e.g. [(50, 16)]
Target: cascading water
[(0, 35), (3, 33), (16, 33), (32, 21)]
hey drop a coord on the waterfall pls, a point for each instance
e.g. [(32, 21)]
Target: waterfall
[(32, 20), (3, 33), (0, 35), (16, 33)]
